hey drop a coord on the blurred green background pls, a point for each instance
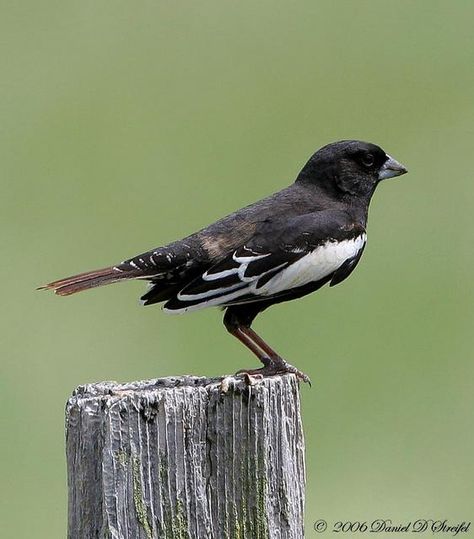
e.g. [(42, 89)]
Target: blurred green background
[(125, 125)]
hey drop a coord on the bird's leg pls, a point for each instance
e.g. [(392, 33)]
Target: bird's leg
[(237, 321), (240, 334), (277, 365), (272, 363)]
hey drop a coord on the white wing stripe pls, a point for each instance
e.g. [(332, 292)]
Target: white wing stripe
[(219, 291), (214, 276), (212, 302), (247, 259), (209, 293), (244, 261)]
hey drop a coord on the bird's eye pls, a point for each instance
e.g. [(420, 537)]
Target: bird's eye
[(367, 160)]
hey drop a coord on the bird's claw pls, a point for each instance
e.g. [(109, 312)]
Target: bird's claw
[(273, 367), (287, 368)]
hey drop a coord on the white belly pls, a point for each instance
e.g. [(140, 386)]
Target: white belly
[(314, 266)]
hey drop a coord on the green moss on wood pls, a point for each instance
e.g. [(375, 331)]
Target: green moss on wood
[(252, 520), (122, 458), (140, 507), (179, 528), (175, 525), (261, 513)]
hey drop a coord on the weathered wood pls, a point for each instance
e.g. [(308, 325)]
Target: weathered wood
[(186, 458)]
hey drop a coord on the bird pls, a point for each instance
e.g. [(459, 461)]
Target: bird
[(277, 249)]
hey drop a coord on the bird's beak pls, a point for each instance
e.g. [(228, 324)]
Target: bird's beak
[(391, 168)]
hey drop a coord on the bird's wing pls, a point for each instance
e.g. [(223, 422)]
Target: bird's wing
[(283, 255)]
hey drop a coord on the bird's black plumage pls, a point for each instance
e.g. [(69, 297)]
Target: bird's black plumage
[(277, 249)]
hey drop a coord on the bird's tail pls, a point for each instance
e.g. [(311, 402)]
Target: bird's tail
[(89, 279)]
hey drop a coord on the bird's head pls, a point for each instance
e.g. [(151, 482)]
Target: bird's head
[(350, 167)]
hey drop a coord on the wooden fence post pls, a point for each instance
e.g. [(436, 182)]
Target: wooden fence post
[(186, 458)]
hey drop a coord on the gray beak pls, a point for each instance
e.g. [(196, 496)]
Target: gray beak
[(391, 168)]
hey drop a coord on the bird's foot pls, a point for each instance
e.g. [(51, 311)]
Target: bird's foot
[(274, 367)]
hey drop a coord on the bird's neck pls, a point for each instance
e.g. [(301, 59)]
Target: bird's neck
[(322, 199), (358, 209)]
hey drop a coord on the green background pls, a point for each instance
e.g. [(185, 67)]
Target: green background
[(125, 125)]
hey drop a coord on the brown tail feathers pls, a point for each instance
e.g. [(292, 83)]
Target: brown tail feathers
[(89, 279)]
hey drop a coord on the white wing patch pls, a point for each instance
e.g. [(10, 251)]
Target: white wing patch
[(314, 266)]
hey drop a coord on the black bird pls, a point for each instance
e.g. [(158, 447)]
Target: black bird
[(277, 249)]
